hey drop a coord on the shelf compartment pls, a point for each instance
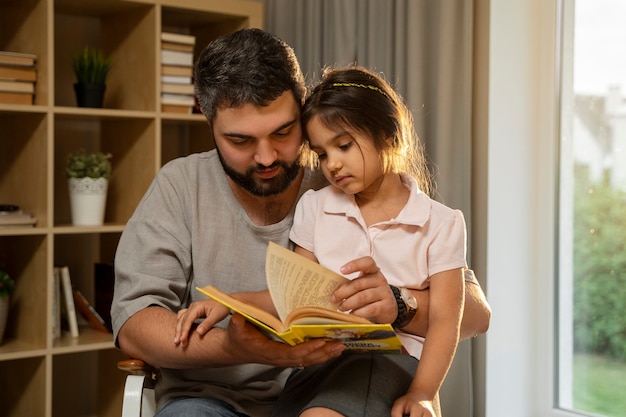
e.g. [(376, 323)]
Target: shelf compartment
[(129, 140), (95, 388), (95, 249), (23, 28), (184, 137), (22, 383), (207, 20), (23, 165), (126, 32), (25, 257)]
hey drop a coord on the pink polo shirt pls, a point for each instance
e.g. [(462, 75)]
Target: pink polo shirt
[(424, 239)]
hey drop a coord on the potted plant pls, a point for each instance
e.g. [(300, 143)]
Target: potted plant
[(91, 68), (88, 174), (7, 285)]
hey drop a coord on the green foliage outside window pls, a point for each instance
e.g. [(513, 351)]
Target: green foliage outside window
[(599, 268)]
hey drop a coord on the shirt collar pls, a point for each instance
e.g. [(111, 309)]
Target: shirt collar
[(416, 212)]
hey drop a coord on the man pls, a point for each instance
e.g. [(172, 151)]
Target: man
[(207, 219)]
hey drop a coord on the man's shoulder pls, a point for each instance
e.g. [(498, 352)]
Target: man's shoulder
[(191, 160), (193, 165)]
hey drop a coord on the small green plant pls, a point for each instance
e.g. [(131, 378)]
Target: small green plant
[(83, 164), (91, 66), (7, 285)]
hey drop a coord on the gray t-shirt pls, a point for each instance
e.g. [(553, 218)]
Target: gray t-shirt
[(189, 231)]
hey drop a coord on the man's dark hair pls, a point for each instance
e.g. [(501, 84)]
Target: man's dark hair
[(249, 66)]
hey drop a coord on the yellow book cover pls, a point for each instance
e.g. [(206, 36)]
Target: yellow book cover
[(300, 290)]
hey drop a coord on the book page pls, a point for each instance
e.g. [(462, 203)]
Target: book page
[(249, 311), (295, 281)]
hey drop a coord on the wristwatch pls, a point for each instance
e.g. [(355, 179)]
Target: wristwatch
[(407, 306)]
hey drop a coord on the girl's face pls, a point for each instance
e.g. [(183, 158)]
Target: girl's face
[(347, 157)]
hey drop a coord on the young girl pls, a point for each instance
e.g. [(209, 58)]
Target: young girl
[(359, 132)]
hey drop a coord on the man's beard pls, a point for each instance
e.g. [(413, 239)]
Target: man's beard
[(263, 187)]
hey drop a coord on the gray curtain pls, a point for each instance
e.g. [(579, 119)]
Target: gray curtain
[(424, 48)]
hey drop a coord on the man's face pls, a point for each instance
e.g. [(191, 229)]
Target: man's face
[(259, 146)]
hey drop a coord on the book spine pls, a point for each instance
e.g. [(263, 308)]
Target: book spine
[(177, 99), (16, 98), (175, 79), (56, 304), (70, 308), (176, 58), (8, 72), (177, 70), (17, 86), (178, 38), (185, 89)]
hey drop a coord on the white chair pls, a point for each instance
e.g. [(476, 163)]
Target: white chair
[(139, 388)]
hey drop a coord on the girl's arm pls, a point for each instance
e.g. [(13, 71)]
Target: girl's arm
[(447, 294), (476, 312)]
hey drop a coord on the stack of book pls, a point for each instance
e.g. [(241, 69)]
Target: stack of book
[(17, 77), (177, 93), (12, 216)]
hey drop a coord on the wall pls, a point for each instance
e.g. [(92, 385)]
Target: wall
[(515, 113)]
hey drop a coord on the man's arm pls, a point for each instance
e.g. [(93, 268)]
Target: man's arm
[(476, 314), (149, 336)]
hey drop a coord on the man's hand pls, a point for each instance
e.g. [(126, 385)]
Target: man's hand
[(250, 345)]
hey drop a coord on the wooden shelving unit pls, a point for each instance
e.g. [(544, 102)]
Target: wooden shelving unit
[(71, 377)]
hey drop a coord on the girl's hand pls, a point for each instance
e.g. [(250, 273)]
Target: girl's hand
[(410, 406), (212, 312), (369, 295)]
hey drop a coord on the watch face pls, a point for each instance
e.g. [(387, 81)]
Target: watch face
[(408, 298)]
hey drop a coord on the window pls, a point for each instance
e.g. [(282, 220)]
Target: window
[(591, 347)]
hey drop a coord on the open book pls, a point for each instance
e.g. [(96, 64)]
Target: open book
[(301, 290)]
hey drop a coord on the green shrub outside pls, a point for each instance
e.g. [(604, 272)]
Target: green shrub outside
[(599, 268)]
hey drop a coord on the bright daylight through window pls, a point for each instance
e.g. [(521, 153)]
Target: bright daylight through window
[(592, 209)]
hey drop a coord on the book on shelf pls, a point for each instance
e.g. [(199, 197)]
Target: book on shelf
[(13, 86), (89, 313), (68, 306), (18, 73), (176, 79), (301, 290), (179, 58), (15, 98), (175, 108), (178, 99), (17, 58), (183, 89), (177, 103), (17, 218), (56, 304), (180, 38), (177, 46), (177, 70)]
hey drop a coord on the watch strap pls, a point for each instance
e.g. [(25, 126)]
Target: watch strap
[(401, 319)]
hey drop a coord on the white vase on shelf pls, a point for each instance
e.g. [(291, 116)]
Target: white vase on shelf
[(88, 200)]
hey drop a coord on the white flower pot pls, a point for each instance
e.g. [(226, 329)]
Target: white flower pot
[(4, 314), (88, 198)]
